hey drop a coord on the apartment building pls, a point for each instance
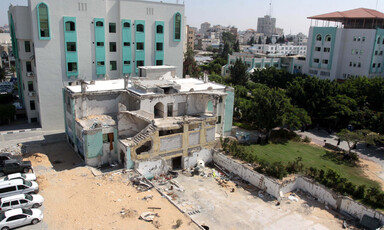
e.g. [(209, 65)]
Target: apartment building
[(59, 42), (281, 49), (346, 44), (156, 119), (191, 36)]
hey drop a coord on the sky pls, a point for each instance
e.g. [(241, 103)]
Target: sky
[(291, 15)]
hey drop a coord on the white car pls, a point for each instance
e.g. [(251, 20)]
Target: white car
[(25, 176), (20, 201), (19, 217)]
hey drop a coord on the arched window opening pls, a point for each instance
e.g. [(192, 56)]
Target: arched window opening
[(177, 26), (126, 25), (328, 38), (159, 29), (378, 40), (70, 26), (318, 37), (159, 110), (99, 23), (140, 28), (42, 12)]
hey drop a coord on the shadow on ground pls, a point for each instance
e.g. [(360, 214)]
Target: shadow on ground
[(59, 152)]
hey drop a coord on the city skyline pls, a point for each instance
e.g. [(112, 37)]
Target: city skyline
[(246, 12)]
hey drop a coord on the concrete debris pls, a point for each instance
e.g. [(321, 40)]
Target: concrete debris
[(18, 150), (128, 213), (260, 194), (141, 184), (292, 198), (147, 197), (148, 216)]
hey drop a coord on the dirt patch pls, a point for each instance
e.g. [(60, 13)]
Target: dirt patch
[(75, 199), (372, 170)]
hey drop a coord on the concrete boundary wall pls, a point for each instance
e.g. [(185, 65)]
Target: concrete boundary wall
[(323, 194)]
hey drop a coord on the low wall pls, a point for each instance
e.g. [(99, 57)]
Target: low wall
[(152, 168), (204, 155), (322, 193)]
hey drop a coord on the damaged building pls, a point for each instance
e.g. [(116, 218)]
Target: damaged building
[(155, 121)]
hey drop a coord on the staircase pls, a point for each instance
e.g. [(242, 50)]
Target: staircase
[(143, 134)]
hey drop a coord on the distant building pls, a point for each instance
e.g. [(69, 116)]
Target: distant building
[(6, 50), (58, 43), (155, 119), (350, 43), (191, 36), (204, 28), (246, 36), (266, 25), (280, 49)]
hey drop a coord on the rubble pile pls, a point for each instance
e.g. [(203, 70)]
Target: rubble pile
[(19, 149)]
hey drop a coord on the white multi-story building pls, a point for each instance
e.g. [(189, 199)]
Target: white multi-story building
[(281, 49), (349, 43), (58, 42)]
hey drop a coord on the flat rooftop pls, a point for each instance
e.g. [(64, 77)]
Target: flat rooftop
[(100, 85)]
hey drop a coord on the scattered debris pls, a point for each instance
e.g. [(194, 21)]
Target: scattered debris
[(153, 208), (260, 194), (148, 197), (148, 216), (141, 184), (128, 212), (293, 198)]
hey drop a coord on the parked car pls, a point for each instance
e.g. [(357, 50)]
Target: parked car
[(19, 186), (14, 176), (20, 201), (7, 156), (15, 166), (20, 217)]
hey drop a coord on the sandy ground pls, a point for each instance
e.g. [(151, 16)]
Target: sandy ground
[(372, 170), (76, 199), (217, 207)]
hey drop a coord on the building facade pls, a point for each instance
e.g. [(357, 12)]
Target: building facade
[(349, 43), (266, 25), (58, 42), (191, 36), (155, 119), (280, 49)]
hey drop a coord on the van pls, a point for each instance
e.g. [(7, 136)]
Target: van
[(19, 186)]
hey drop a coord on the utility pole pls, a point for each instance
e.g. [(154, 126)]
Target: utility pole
[(270, 8)]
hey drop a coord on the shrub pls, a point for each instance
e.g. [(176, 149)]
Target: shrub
[(307, 139), (360, 192), (277, 170), (6, 98)]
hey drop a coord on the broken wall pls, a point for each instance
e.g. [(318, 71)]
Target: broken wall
[(148, 103), (96, 104), (152, 167), (193, 157), (130, 125), (171, 142)]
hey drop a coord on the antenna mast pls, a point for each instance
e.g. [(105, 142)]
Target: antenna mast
[(270, 8)]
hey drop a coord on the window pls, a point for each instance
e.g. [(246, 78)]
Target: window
[(378, 65), (8, 189), (113, 65), (71, 46), (363, 39), (359, 64), (30, 86), (316, 60), (376, 52), (169, 110), (29, 66), (358, 39), (350, 63), (127, 62), (23, 201), (218, 120), (374, 65), (112, 27), (17, 217), (159, 46), (159, 62), (140, 63), (139, 28), (99, 23), (317, 48), (126, 25), (27, 46), (177, 35), (327, 50), (127, 44), (70, 26), (354, 64), (72, 67), (381, 53), (328, 38), (325, 61), (100, 44), (32, 105), (7, 204), (361, 52), (112, 47), (378, 40), (140, 46), (353, 51), (318, 37), (159, 29), (43, 20), (19, 187), (354, 38), (100, 63)]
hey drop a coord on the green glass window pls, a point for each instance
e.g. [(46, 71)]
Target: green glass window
[(30, 86), (159, 46), (32, 105), (112, 47), (112, 27), (140, 63), (72, 67), (177, 26), (70, 26), (71, 46), (159, 29), (140, 28), (159, 62), (27, 46), (43, 20), (140, 46), (113, 65), (29, 66)]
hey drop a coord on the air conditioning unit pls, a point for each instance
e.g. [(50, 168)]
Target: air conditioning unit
[(31, 94), (30, 74)]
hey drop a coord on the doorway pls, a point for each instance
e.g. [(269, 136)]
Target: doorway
[(176, 163)]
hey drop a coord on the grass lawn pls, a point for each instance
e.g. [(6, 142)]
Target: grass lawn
[(312, 157)]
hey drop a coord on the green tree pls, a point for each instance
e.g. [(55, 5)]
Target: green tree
[(7, 112), (2, 74), (260, 41), (190, 66), (338, 111), (238, 73), (226, 51), (352, 138), (268, 41), (216, 78), (296, 117), (236, 47), (251, 41)]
